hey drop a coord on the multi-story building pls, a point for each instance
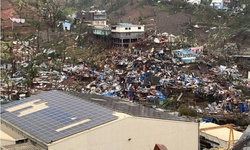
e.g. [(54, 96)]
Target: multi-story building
[(124, 34), (96, 18), (97, 23)]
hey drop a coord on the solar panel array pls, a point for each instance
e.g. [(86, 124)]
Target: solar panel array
[(62, 108)]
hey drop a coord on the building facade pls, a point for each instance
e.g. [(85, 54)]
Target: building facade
[(97, 24), (124, 34), (96, 18)]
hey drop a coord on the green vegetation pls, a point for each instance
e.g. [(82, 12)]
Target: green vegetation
[(185, 110)]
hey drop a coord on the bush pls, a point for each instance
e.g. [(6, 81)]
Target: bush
[(185, 110)]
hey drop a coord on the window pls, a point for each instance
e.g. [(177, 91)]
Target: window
[(126, 28), (139, 28), (129, 28), (113, 28)]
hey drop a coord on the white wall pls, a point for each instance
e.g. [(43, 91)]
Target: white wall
[(6, 142), (98, 23), (129, 29), (12, 133), (8, 136), (144, 134)]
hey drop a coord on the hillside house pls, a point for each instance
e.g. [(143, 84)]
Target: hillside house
[(66, 26), (96, 18), (97, 23), (124, 34)]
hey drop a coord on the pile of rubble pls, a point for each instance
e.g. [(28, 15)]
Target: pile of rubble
[(152, 75)]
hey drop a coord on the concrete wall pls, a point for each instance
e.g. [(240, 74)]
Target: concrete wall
[(11, 132), (128, 29), (134, 133), (99, 23), (16, 135), (128, 35), (6, 142)]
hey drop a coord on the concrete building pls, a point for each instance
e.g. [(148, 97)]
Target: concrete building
[(55, 120), (96, 18), (124, 34), (97, 24)]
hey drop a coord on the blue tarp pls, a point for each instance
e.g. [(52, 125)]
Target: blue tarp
[(142, 78), (109, 94), (92, 72), (197, 81), (151, 101), (162, 97), (101, 76), (245, 108), (207, 120), (185, 79), (130, 93), (172, 81), (131, 79), (160, 94)]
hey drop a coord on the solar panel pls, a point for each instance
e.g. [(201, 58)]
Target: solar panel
[(63, 110)]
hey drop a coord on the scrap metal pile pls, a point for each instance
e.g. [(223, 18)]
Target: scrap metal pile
[(153, 75)]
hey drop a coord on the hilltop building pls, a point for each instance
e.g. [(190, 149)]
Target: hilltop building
[(97, 23), (124, 34), (96, 18), (55, 120)]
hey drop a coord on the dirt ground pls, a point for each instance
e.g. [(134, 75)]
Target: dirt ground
[(152, 15)]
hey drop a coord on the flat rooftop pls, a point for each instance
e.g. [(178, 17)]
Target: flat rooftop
[(127, 25)]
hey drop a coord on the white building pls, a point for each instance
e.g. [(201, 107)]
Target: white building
[(219, 4), (197, 2), (55, 120), (124, 34)]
